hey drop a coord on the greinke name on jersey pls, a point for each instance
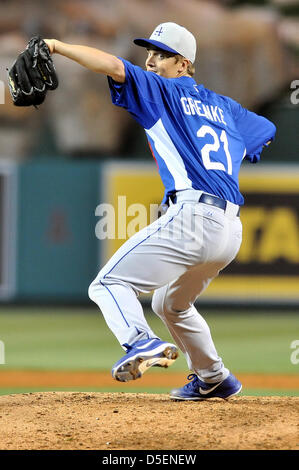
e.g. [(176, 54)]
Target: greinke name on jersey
[(192, 107)]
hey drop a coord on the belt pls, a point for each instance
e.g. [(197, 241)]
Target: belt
[(208, 199)]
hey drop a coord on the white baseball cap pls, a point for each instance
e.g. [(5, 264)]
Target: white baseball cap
[(171, 37)]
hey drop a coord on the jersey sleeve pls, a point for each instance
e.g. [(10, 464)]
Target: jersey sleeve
[(257, 132), (141, 94)]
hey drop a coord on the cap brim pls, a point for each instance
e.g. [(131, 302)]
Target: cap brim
[(151, 42)]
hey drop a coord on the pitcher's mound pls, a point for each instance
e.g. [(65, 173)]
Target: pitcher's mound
[(75, 420)]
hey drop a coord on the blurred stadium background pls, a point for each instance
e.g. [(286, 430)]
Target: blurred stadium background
[(58, 163)]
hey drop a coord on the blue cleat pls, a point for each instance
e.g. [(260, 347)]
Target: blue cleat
[(141, 356), (199, 390)]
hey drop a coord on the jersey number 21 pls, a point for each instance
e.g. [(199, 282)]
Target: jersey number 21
[(214, 147)]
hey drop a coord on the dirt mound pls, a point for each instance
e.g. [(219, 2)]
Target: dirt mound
[(119, 421)]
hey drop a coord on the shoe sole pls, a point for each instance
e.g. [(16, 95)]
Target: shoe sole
[(134, 367), (204, 398)]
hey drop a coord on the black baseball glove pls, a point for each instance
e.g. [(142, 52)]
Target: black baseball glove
[(32, 74)]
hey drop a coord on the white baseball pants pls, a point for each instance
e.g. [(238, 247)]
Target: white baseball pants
[(177, 257)]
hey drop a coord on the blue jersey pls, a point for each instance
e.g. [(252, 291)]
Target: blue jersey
[(197, 137)]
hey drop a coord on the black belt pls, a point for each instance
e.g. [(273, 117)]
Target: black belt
[(211, 200)]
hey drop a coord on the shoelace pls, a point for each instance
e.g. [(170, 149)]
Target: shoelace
[(194, 381)]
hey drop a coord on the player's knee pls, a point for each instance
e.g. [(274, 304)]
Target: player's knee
[(163, 307), (157, 305), (172, 309), (93, 289), (96, 285), (166, 305)]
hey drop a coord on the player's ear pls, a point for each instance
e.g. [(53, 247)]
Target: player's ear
[(183, 65)]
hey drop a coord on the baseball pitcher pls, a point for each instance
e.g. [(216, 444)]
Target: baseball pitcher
[(199, 140)]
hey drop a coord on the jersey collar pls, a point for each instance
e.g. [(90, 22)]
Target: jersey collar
[(188, 81)]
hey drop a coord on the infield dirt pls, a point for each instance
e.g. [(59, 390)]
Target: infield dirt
[(125, 421)]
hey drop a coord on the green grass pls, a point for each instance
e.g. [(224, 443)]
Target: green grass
[(57, 339), (66, 339), (251, 342)]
